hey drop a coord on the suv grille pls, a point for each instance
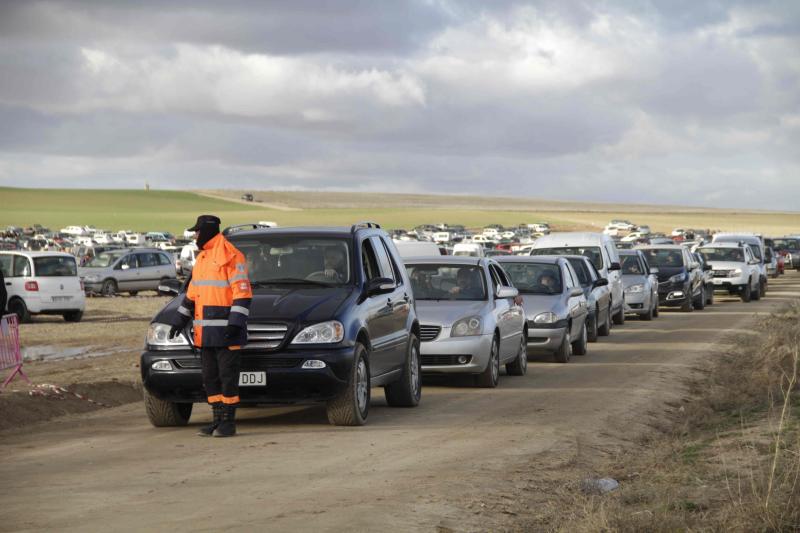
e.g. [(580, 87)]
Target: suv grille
[(429, 333), (265, 336), (722, 273)]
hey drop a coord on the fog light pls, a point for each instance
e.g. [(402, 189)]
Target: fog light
[(161, 365), (462, 359), (677, 294), (314, 364)]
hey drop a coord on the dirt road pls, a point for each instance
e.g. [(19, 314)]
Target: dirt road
[(466, 459)]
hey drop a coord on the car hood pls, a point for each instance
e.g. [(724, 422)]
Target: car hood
[(664, 273), (447, 312), (540, 303), (293, 304), (633, 279)]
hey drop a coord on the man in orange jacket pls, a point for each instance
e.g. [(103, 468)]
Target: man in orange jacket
[(218, 300)]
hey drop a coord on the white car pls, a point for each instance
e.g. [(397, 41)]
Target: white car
[(468, 249), (492, 233), (43, 283), (635, 236), (678, 232), (482, 239), (408, 249), (541, 227), (103, 238), (135, 239), (508, 235), (186, 259), (734, 267), (442, 237), (601, 250), (757, 247), (73, 230)]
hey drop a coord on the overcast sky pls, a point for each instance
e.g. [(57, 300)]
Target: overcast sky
[(669, 101)]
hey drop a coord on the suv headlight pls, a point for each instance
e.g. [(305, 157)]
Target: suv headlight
[(545, 318), (158, 336), (678, 278), (466, 327), (323, 333), (639, 287), (735, 272)]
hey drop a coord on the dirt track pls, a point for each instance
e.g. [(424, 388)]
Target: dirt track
[(466, 459)]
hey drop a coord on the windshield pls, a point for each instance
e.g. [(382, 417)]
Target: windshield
[(786, 244), (289, 259), (756, 248), (105, 259), (447, 282), (534, 278), (630, 265), (660, 257), (55, 266), (592, 252), (735, 255)]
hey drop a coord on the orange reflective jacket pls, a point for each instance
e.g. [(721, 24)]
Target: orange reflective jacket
[(219, 294)]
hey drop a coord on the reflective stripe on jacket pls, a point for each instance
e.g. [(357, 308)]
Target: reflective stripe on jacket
[(219, 294)]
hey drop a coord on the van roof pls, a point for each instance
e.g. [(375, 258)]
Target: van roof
[(572, 238)]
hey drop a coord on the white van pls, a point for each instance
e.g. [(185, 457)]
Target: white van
[(468, 249), (756, 244), (135, 239), (417, 248), (43, 283), (600, 249)]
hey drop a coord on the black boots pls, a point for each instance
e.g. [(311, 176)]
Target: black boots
[(217, 410), (227, 427)]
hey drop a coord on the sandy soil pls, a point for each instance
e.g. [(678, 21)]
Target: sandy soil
[(466, 459)]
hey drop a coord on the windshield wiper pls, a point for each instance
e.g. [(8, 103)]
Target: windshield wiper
[(290, 281)]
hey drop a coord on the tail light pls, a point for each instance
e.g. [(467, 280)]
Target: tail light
[(31, 286)]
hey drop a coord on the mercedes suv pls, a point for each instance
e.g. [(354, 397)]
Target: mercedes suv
[(332, 315)]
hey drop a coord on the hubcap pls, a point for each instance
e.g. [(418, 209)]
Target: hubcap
[(361, 385), (415, 370)]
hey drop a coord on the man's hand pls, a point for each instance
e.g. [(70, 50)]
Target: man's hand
[(231, 331), (174, 331)]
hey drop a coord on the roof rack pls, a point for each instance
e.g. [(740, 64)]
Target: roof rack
[(240, 227), (364, 224)]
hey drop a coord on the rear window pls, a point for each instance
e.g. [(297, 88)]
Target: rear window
[(592, 252), (55, 266)]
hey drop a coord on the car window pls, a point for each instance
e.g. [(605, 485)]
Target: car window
[(631, 265), (22, 267), (147, 260), (593, 253), (163, 259), (6, 263), (643, 265), (495, 279), (446, 282), (664, 257), (535, 278), (581, 272), (369, 261), (292, 258), (129, 260), (55, 266), (383, 258), (398, 278), (501, 275)]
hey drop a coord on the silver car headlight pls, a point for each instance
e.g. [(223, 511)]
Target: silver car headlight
[(466, 327), (639, 287), (545, 318), (323, 333), (91, 278), (158, 336)]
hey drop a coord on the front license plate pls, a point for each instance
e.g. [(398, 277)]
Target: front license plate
[(252, 379)]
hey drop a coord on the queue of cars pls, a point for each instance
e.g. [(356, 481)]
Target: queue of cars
[(339, 311)]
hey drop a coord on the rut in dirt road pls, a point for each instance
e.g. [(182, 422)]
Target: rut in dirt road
[(450, 462)]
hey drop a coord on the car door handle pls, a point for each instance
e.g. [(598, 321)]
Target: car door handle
[(8, 283)]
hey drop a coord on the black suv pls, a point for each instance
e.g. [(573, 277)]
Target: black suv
[(681, 279), (332, 315)]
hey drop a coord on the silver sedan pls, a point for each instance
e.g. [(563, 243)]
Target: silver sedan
[(554, 302), (641, 285), (470, 318)]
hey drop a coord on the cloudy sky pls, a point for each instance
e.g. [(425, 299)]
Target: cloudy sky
[(666, 101)]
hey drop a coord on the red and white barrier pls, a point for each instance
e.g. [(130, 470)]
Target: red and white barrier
[(10, 353)]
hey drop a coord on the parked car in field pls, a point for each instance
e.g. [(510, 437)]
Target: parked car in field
[(74, 230), (554, 303), (332, 315), (600, 249), (186, 259), (598, 296), (470, 321), (469, 249), (641, 285), (44, 283), (734, 267), (128, 270), (756, 246), (680, 277), (417, 248)]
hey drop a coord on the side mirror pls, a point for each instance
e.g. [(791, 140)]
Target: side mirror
[(379, 286), (706, 267), (614, 266), (654, 270), (172, 286), (576, 291), (601, 282), (506, 292)]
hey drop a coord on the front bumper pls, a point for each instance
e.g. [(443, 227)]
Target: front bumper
[(635, 302), (542, 340), (441, 356), (730, 284), (287, 381), (671, 295)]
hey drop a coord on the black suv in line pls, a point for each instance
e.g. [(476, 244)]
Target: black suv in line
[(681, 280), (332, 316)]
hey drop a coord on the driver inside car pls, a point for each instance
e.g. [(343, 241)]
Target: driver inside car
[(548, 282), (468, 284), (334, 264)]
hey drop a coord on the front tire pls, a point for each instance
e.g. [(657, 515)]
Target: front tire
[(756, 294), (700, 302), (563, 353), (519, 366), (579, 346), (605, 329), (591, 328), (710, 295), (490, 377), (162, 413), (747, 293), (619, 318), (407, 391), (351, 406)]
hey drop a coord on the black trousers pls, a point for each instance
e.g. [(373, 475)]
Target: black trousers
[(221, 374)]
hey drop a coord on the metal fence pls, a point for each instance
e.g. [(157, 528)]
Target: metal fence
[(10, 353)]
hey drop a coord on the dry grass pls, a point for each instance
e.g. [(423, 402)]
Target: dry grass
[(731, 460)]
